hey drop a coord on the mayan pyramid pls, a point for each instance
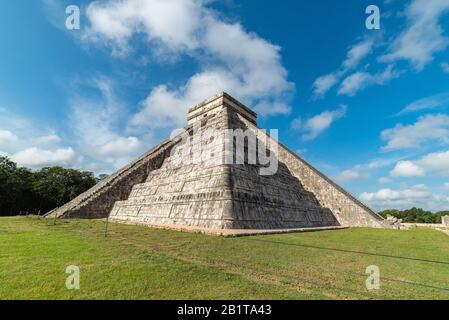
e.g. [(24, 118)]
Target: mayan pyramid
[(201, 178)]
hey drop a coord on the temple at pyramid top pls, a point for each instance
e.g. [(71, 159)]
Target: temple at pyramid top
[(209, 106), (211, 190)]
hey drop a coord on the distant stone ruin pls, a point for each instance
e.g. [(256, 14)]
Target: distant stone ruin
[(206, 177), (445, 220)]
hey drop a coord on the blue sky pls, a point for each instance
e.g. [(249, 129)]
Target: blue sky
[(367, 107)]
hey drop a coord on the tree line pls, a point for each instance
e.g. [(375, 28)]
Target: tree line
[(415, 215), (25, 190)]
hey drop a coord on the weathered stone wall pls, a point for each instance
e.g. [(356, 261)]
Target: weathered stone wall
[(270, 201), (181, 193), (98, 201), (348, 210)]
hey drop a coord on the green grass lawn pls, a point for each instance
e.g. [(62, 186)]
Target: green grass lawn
[(136, 262)]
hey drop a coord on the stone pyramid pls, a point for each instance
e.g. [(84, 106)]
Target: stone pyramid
[(221, 172)]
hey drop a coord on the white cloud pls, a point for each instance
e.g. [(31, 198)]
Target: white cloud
[(27, 145), (360, 80), (427, 129), (230, 58), (93, 118), (316, 125), (297, 124), (354, 56), (415, 196), (97, 123), (384, 180), (174, 23), (357, 53), (436, 163), (423, 37), (37, 158), (7, 137), (432, 102), (348, 175), (11, 142), (120, 146), (164, 108), (446, 186), (420, 40), (445, 67), (354, 83), (324, 83), (407, 169), (365, 170)]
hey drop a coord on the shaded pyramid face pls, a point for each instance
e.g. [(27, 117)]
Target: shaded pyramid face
[(222, 172)]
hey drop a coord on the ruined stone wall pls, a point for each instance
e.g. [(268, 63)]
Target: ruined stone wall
[(445, 220)]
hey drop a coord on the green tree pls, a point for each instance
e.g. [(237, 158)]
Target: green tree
[(24, 190), (55, 186), (415, 215), (15, 188)]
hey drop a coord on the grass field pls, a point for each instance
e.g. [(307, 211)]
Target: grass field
[(136, 262)]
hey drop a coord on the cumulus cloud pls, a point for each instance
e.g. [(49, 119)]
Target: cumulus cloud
[(7, 137), (47, 140), (405, 198), (120, 146), (423, 37), (174, 23), (37, 158), (11, 142), (407, 169), (365, 170), (316, 125), (31, 147), (427, 129), (348, 175), (96, 123), (355, 55), (324, 83), (432, 102), (230, 58), (37, 152), (360, 80), (436, 163), (384, 180)]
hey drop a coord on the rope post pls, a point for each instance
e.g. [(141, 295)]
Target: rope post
[(106, 226)]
